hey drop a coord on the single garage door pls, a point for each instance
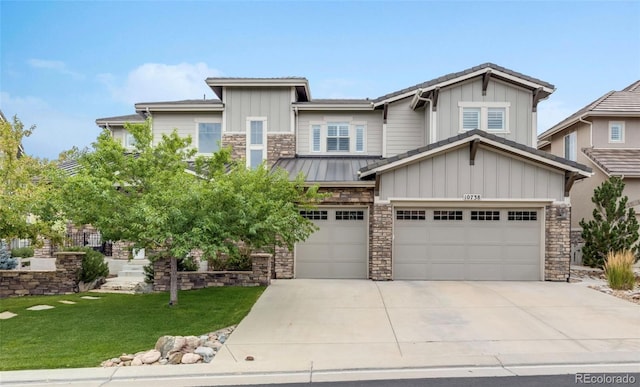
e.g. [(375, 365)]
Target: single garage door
[(467, 244), (338, 249)]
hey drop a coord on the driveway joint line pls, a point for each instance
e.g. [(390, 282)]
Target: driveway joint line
[(386, 311)]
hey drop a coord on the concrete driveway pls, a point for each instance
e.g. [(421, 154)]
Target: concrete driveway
[(302, 325)]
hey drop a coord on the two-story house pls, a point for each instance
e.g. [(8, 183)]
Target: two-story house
[(438, 181), (604, 135)]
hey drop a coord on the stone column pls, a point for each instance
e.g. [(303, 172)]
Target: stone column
[(261, 268), (557, 242), (68, 265), (380, 265), (283, 263)]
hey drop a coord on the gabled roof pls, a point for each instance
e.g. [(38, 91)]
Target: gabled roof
[(189, 105), (300, 83), (614, 103), (616, 162), (339, 170), (119, 120), (498, 72), (483, 137)]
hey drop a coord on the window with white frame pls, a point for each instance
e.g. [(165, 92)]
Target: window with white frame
[(315, 137), (616, 131), (571, 146), (129, 140), (487, 116), (256, 141), (209, 137), (360, 138), (338, 137)]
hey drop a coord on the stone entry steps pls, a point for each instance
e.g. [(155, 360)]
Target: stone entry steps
[(129, 280)]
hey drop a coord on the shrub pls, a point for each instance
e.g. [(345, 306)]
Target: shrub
[(93, 264), (619, 270), (6, 262), (22, 252), (149, 273)]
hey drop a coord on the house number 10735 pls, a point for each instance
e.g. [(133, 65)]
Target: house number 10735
[(471, 197)]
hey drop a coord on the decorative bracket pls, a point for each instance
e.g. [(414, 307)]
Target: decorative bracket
[(485, 81), (384, 112), (434, 98), (569, 179), (473, 148), (537, 96)]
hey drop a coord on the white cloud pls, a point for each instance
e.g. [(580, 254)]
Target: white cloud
[(55, 65), (551, 113), (55, 131), (161, 82)]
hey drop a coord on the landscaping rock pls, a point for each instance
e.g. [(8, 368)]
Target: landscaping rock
[(190, 358), (171, 350), (206, 353), (151, 357)]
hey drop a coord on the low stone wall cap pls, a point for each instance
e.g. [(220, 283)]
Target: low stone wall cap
[(70, 253)]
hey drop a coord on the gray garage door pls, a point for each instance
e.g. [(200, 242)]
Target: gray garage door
[(338, 249), (467, 244)]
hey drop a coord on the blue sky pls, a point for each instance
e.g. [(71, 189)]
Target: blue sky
[(65, 63)]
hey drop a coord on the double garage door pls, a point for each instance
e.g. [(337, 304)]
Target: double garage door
[(339, 248), (467, 244)]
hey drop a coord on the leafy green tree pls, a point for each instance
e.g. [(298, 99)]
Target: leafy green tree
[(27, 191), (614, 227), (153, 197)]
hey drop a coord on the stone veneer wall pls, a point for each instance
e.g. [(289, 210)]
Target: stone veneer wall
[(278, 145), (380, 264), (260, 275), (63, 280), (558, 242)]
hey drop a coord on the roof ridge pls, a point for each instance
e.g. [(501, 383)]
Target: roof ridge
[(633, 88)]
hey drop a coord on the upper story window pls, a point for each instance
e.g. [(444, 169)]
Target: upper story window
[(616, 132), (338, 137), (209, 137), (488, 116), (129, 140), (571, 146), (333, 136), (256, 141)]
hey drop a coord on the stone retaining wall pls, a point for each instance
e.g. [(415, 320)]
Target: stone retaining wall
[(260, 275), (63, 280)]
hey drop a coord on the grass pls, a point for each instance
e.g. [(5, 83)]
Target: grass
[(90, 331), (619, 270)]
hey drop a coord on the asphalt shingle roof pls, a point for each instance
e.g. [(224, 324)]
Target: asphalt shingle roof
[(127, 118), (616, 162)]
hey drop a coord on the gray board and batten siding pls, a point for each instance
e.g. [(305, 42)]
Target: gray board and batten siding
[(274, 103), (520, 106), (406, 128), (495, 175)]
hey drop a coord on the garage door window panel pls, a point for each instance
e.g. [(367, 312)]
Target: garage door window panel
[(349, 215), (485, 215), (447, 215), (411, 215), (523, 216), (314, 215)]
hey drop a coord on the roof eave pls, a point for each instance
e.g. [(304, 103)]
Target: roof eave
[(216, 84), (142, 108), (337, 106), (338, 184), (594, 113)]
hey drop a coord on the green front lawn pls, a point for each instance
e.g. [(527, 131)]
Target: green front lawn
[(90, 331)]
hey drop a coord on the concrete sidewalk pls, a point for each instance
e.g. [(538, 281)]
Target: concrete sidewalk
[(326, 330)]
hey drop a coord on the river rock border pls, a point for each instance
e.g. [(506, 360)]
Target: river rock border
[(172, 350)]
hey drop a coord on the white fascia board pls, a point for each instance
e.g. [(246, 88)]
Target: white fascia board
[(461, 78), (459, 202), (410, 159), (536, 157), (339, 107), (180, 108), (256, 82)]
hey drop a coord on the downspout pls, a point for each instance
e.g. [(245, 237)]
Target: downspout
[(581, 119), (431, 117)]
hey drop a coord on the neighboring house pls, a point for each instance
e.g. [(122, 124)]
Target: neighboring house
[(438, 181), (604, 135)]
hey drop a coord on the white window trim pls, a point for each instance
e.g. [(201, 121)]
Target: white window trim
[(125, 141), (484, 108), (621, 124), (323, 139), (324, 131), (573, 146), (355, 125), (196, 137), (322, 126), (249, 147)]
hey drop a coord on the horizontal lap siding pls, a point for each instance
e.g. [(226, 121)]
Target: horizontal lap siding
[(118, 134), (243, 102), (494, 176), (373, 134), (184, 123), (406, 128), (520, 122)]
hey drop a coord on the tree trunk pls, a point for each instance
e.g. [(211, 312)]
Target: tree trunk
[(173, 286)]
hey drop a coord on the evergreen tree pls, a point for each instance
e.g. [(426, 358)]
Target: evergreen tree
[(614, 227)]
